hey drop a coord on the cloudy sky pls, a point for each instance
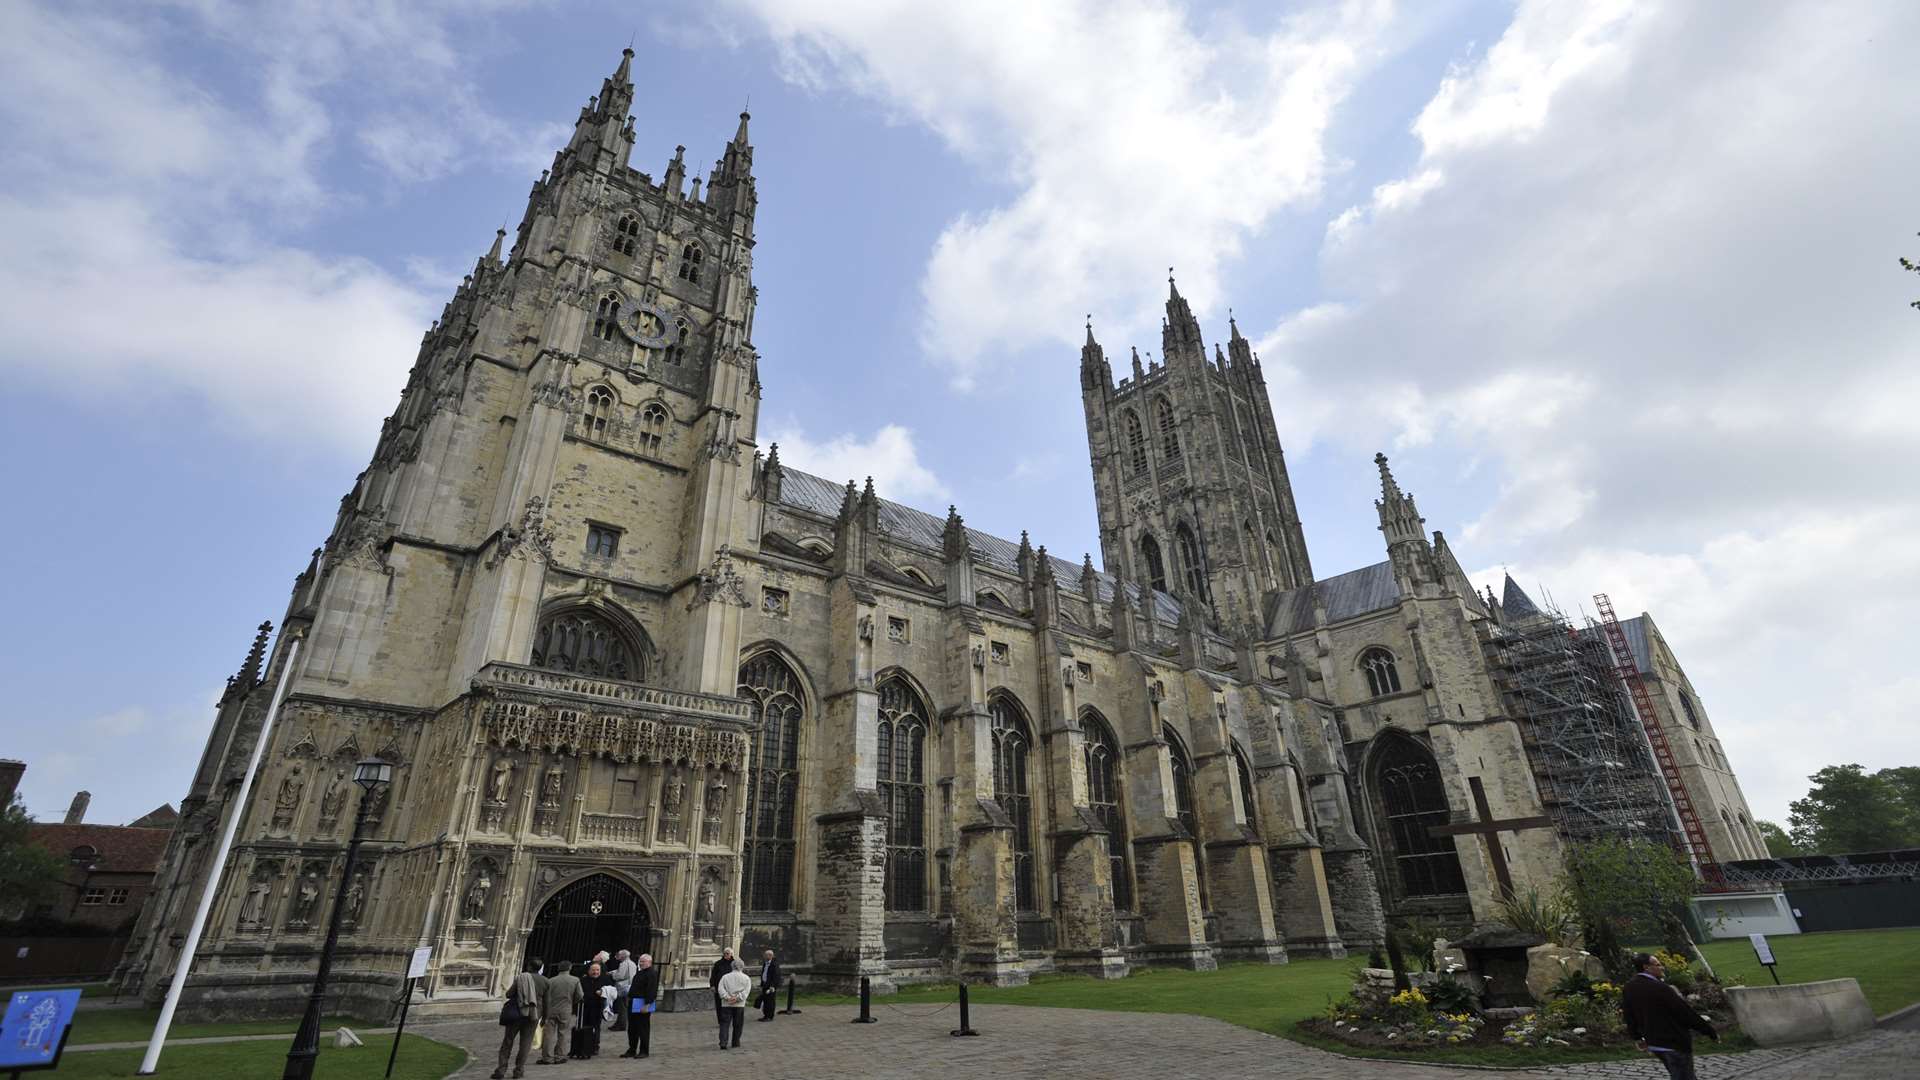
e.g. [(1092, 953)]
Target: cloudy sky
[(1614, 284)]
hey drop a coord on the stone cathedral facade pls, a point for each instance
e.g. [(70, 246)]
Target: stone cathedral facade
[(645, 686)]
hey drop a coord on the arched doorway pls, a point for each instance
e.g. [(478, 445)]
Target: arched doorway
[(598, 912)]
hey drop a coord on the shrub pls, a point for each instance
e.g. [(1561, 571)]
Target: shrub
[(1407, 1007), (1573, 984), (1449, 995), (1550, 916)]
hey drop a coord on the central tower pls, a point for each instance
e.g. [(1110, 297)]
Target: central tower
[(1188, 474)]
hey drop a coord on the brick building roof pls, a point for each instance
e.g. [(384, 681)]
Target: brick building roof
[(122, 849)]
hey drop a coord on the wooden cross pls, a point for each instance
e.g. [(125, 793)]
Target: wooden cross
[(1487, 827)]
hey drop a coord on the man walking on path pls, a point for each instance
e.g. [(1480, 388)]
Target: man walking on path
[(769, 985), (641, 1001), (719, 971), (563, 997), (529, 989), (1660, 1020), (623, 971)]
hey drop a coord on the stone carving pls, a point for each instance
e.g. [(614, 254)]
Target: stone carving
[(675, 791), (623, 738), (979, 657), (306, 897), (473, 907), (356, 901), (287, 802), (377, 806), (720, 581), (500, 783), (253, 910), (531, 539), (708, 902), (866, 628), (332, 799), (550, 787), (361, 545)]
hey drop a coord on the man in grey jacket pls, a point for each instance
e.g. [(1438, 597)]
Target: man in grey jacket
[(528, 990), (563, 997), (623, 971)]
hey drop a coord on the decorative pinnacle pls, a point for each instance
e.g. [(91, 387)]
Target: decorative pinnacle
[(1387, 486)]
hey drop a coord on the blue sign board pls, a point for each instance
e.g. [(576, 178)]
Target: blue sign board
[(35, 1028)]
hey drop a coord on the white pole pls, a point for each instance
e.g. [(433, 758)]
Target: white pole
[(185, 962)]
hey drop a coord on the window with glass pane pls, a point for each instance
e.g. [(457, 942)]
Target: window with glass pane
[(1104, 784), (772, 783), (903, 788), (1247, 800), (1410, 792), (603, 541), (1383, 677), (586, 644), (1184, 807), (1010, 743)]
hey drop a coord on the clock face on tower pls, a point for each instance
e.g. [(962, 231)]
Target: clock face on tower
[(647, 326)]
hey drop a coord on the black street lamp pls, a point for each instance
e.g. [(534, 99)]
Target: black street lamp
[(371, 774)]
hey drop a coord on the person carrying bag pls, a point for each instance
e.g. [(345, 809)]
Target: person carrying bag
[(520, 1017)]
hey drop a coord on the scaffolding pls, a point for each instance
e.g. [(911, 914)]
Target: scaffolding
[(1589, 755)]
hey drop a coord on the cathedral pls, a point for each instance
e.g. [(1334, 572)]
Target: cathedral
[(642, 685)]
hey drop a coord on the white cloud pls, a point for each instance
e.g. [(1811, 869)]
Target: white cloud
[(1647, 287), (1132, 141), (888, 456)]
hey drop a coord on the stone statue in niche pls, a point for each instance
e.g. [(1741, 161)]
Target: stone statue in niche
[(474, 907), (708, 901), (253, 910), (500, 784), (305, 898), (356, 897), (332, 799), (377, 807), (287, 802), (716, 807), (866, 628), (979, 657), (674, 793), (550, 787)]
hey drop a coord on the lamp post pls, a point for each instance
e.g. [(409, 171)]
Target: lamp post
[(371, 774)]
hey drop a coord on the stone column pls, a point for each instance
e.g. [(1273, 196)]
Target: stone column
[(1236, 860), (985, 931), (1087, 935)]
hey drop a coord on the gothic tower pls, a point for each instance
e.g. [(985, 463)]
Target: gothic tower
[(1189, 478)]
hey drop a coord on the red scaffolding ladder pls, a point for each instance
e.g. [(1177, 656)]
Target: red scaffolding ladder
[(1693, 835)]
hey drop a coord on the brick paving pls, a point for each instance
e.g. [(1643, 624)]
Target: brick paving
[(1024, 1041)]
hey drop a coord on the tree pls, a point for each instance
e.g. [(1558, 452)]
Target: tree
[(29, 873), (1905, 784), (1626, 890), (1849, 809), (1779, 844)]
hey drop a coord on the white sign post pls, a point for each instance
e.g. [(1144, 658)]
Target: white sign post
[(416, 969), (1764, 952)]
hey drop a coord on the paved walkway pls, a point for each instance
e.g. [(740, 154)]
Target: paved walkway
[(1026, 1042)]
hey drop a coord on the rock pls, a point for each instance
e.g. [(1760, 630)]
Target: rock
[(345, 1037), (1579, 1031), (1548, 964)]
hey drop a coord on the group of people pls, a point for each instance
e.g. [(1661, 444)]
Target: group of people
[(620, 991)]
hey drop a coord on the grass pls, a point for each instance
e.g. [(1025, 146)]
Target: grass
[(1887, 962), (128, 1025), (420, 1059)]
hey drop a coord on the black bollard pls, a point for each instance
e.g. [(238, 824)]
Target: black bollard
[(966, 1025), (789, 1010), (866, 1002)]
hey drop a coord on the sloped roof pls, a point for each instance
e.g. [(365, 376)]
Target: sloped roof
[(1515, 603), (122, 848), (163, 816), (818, 495), (1356, 592)]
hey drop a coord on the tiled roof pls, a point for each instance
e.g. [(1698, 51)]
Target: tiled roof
[(122, 848), (1356, 592), (1515, 603), (817, 495)]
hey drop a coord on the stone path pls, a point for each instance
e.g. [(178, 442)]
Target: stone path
[(1027, 1042)]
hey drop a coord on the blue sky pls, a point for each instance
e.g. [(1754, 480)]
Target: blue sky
[(1613, 283)]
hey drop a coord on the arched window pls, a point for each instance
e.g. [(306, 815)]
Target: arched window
[(1249, 803), (1104, 786), (690, 258), (677, 345), (1192, 563), (1010, 743), (1136, 443), (1383, 677), (1686, 706), (1156, 566), (1413, 800), (599, 411), (585, 643), (903, 788), (653, 427), (626, 234), (84, 856), (772, 783), (987, 598), (1169, 434), (1183, 805), (606, 317)]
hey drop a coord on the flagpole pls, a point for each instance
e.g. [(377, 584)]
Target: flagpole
[(185, 962)]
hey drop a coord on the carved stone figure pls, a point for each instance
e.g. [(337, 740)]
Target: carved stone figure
[(253, 910), (287, 802), (305, 898), (356, 897), (474, 909), (500, 785), (333, 798), (704, 911), (377, 809), (676, 791), (550, 795)]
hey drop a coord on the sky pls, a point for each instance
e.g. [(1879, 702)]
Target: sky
[(1614, 284)]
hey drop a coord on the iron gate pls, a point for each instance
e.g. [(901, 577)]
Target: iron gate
[(597, 913)]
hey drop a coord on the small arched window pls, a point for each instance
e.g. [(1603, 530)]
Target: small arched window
[(1686, 706), (585, 643), (1010, 744), (1383, 676), (690, 259), (1248, 802), (903, 788), (653, 427), (1104, 786), (1156, 565), (1192, 563), (766, 857), (606, 317), (1183, 804), (599, 412), (677, 344), (626, 233), (1136, 443), (1169, 434)]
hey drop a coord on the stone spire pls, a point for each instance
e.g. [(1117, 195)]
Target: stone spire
[(1515, 603), (1180, 333), (953, 539), (1094, 370), (1400, 520)]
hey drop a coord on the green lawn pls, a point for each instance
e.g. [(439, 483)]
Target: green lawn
[(127, 1025), (420, 1059), (1887, 962)]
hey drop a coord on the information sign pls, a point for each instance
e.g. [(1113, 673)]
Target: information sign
[(417, 967), (1761, 949), (34, 1030)]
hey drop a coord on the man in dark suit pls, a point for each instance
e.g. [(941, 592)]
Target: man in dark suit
[(643, 998), (769, 985), (1659, 1019), (720, 968)]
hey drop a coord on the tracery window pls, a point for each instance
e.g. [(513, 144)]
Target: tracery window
[(690, 259), (1183, 804), (599, 412), (1156, 566), (1169, 434), (1104, 785), (606, 317), (1686, 706), (1136, 443), (1410, 792), (677, 346), (585, 643), (1010, 743), (626, 233), (1249, 803), (1191, 560), (773, 782), (653, 428), (903, 788), (1383, 675)]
